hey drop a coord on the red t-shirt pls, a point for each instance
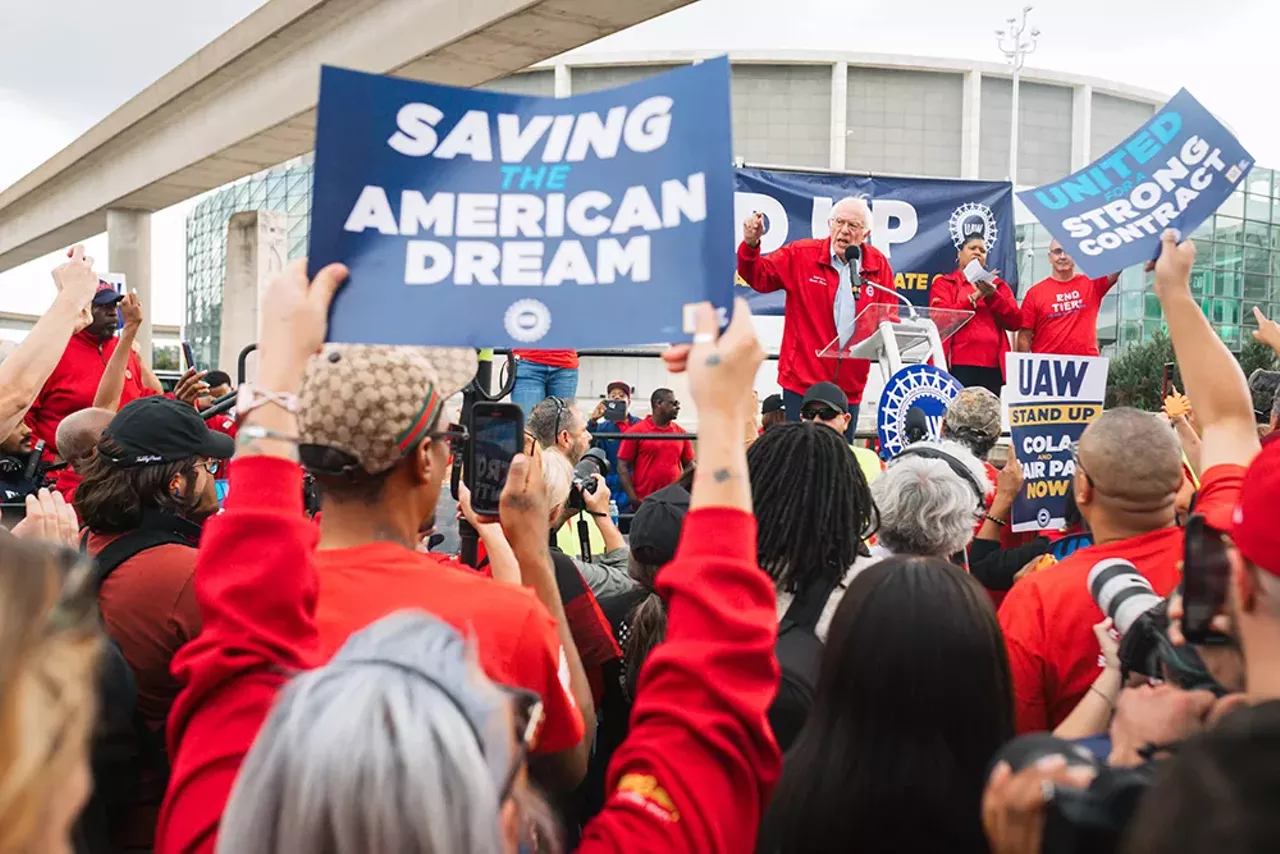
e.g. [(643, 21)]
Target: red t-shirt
[(550, 358), (1048, 617), (655, 463), (1063, 316), (515, 636)]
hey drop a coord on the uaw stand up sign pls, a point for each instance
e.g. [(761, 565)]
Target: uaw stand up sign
[(912, 406), (471, 218)]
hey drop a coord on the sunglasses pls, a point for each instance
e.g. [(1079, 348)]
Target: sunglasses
[(825, 413)]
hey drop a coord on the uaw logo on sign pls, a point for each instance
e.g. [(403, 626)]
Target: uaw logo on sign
[(973, 220), (922, 387)]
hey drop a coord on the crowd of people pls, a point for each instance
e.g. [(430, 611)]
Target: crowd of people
[(773, 640)]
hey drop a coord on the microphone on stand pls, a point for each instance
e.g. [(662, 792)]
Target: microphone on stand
[(852, 256)]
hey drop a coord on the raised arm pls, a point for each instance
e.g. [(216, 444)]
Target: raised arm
[(23, 374), (111, 386), (255, 581), (700, 763), (761, 273), (1215, 384)]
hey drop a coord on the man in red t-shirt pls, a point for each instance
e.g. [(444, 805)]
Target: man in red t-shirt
[(1128, 472), (370, 432), (544, 373), (647, 465), (1060, 313)]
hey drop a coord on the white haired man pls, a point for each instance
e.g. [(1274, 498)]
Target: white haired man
[(825, 291)]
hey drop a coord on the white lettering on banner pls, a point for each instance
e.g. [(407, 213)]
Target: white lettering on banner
[(642, 128), (1146, 209), (775, 219), (892, 221), (520, 263)]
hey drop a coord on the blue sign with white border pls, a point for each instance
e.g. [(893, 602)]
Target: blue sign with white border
[(474, 218), (1173, 172), (925, 387)]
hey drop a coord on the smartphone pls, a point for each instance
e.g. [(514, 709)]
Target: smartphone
[(1169, 379), (615, 410), (189, 355), (1206, 572), (496, 434)]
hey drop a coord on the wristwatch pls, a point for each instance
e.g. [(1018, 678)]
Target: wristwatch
[(249, 397)]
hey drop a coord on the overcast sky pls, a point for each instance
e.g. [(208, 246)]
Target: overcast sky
[(66, 64)]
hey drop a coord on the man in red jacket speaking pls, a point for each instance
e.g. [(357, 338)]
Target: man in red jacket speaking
[(825, 292)]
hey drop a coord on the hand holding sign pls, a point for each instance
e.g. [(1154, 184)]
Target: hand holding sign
[(1173, 267)]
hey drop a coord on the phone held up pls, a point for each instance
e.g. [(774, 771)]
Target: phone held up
[(615, 410), (1206, 572), (495, 435)]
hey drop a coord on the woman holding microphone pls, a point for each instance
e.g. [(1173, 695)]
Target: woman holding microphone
[(975, 354)]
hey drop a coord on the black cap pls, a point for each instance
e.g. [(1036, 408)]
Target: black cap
[(106, 295), (829, 393), (156, 430), (655, 529), (772, 403)]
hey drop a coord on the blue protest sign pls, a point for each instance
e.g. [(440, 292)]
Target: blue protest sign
[(1173, 172), (922, 387), (1051, 400), (918, 223), (472, 218)]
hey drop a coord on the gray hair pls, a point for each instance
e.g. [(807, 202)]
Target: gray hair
[(541, 423), (376, 751), (557, 478), (856, 202), (926, 508)]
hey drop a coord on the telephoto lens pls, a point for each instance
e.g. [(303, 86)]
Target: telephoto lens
[(593, 462), (1121, 592)]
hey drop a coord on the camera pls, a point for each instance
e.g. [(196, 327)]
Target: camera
[(593, 462), (1088, 820)]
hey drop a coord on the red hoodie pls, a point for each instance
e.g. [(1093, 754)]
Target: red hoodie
[(983, 340), (694, 774), (803, 269), (74, 382)]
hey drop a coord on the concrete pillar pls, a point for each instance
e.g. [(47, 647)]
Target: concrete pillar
[(1081, 126), (839, 114), (257, 246), (563, 81), (971, 125), (129, 253)]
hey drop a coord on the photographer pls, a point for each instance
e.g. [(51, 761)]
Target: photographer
[(607, 433), (1127, 477), (606, 574), (20, 475)]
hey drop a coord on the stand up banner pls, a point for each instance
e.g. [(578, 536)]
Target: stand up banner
[(1051, 400), (472, 218), (918, 223), (1173, 172)]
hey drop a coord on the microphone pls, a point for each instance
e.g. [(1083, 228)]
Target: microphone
[(33, 460), (916, 426), (852, 256)]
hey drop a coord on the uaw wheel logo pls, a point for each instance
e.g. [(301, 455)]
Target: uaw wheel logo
[(527, 320), (924, 387), (1043, 518), (973, 220)]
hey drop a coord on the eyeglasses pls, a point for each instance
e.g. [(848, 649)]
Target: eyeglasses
[(839, 223), (825, 413), (527, 715), (211, 466), (1053, 253)]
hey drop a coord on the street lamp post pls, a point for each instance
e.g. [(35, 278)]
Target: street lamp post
[(1015, 49)]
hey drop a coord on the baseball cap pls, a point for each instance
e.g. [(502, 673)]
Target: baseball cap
[(618, 384), (829, 393), (156, 430), (975, 408), (1253, 527), (107, 294), (772, 403), (655, 528), (376, 402)]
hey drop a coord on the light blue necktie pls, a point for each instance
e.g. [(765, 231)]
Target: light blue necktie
[(846, 305)]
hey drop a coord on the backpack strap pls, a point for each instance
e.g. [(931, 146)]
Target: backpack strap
[(807, 604), (127, 545)]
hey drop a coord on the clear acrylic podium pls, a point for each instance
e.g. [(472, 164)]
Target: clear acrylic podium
[(895, 335)]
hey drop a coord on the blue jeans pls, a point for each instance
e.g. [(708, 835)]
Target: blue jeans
[(535, 383), (791, 401)]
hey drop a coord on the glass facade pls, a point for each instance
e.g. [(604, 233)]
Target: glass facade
[(286, 189), (1237, 267)]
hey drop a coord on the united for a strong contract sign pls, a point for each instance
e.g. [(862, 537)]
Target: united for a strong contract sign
[(474, 218), (1173, 172)]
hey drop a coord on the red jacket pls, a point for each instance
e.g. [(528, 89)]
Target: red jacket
[(694, 774), (74, 382), (803, 269), (983, 340)]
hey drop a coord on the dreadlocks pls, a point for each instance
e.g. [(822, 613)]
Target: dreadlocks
[(812, 504)]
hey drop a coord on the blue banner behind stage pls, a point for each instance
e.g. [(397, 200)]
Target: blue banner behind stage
[(1173, 172), (474, 218), (916, 222)]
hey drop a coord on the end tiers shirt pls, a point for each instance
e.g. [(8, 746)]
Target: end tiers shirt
[(1063, 316), (655, 463), (1048, 617), (516, 636)]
